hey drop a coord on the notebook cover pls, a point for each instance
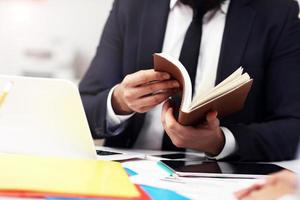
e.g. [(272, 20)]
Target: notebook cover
[(225, 104)]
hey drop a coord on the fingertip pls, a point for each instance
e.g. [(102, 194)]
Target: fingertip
[(165, 108), (166, 104), (160, 76), (241, 194), (237, 194), (211, 115), (170, 109), (169, 114), (165, 75), (216, 113)]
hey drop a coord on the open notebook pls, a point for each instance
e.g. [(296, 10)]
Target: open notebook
[(226, 98)]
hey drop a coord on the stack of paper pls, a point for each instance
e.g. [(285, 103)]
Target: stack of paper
[(189, 187), (64, 177)]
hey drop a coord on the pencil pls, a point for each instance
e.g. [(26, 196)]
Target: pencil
[(5, 92)]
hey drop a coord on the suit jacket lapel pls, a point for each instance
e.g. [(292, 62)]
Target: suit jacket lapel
[(237, 30), (153, 26)]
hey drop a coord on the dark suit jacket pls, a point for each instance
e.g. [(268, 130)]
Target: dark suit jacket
[(263, 36)]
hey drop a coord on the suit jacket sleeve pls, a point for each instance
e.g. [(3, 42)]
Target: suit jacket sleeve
[(277, 137), (104, 73)]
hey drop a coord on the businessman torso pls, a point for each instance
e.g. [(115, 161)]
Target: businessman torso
[(260, 35)]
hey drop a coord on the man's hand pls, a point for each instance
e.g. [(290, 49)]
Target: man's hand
[(274, 187), (143, 90), (207, 137)]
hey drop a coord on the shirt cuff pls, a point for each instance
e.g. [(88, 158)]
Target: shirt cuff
[(230, 145), (114, 121)]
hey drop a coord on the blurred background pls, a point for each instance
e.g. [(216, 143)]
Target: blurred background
[(50, 38)]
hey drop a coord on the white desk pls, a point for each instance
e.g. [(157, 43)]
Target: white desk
[(195, 188), (292, 165)]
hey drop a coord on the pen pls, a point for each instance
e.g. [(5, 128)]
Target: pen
[(166, 169), (5, 92)]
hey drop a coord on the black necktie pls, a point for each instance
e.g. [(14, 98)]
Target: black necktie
[(191, 46), (189, 56)]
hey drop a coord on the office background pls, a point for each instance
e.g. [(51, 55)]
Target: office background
[(50, 38)]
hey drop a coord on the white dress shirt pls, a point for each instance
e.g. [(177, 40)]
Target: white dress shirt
[(180, 17)]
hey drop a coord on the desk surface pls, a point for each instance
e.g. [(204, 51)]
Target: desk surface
[(195, 188), (292, 165)]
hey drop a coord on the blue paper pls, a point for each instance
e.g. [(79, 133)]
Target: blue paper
[(130, 172), (158, 193)]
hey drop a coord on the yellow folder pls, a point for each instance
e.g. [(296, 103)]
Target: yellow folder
[(86, 178)]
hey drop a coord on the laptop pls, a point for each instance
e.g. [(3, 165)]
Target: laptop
[(43, 117)]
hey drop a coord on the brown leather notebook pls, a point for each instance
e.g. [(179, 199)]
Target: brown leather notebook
[(226, 98)]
